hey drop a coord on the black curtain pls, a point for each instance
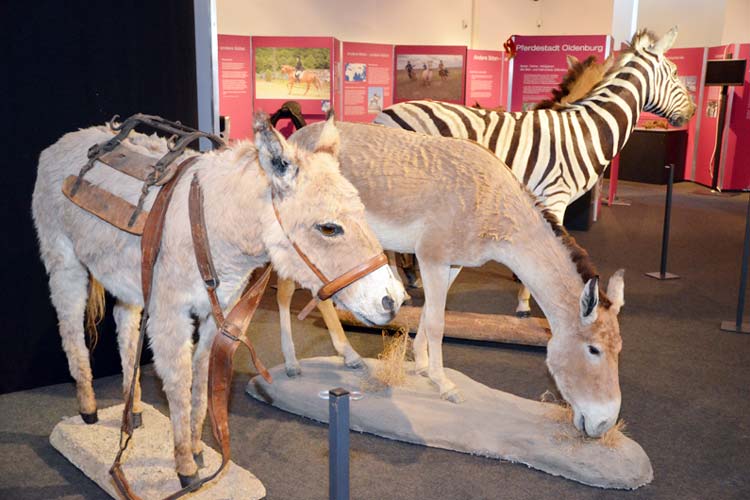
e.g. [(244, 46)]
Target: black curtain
[(67, 65)]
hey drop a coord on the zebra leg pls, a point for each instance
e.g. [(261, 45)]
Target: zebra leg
[(523, 310), (284, 291), (351, 358), (128, 321)]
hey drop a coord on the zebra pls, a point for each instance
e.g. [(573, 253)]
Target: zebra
[(560, 153)]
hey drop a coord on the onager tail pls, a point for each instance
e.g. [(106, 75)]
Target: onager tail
[(94, 310)]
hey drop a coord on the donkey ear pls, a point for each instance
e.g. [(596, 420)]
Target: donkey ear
[(665, 43), (589, 301), (571, 60), (616, 290), (329, 140), (274, 155)]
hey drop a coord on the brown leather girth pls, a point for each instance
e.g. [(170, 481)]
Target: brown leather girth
[(231, 328)]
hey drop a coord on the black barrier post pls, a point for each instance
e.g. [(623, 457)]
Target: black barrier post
[(663, 274), (338, 444), (738, 326)]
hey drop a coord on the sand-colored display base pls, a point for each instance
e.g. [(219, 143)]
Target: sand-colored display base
[(149, 461), (490, 423)]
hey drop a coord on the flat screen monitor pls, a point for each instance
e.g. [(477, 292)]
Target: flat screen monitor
[(725, 71)]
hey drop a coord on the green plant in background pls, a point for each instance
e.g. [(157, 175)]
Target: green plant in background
[(270, 59)]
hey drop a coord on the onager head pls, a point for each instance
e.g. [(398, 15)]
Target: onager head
[(323, 216), (583, 359)]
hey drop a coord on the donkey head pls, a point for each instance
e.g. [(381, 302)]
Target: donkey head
[(667, 96), (322, 215), (584, 359)]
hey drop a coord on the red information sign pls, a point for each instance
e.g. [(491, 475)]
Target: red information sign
[(540, 64), (368, 80), (736, 155), (235, 98), (486, 71)]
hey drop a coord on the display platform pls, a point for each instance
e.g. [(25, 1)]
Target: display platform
[(149, 461), (489, 423)]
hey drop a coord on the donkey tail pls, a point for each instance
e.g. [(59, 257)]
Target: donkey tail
[(94, 310)]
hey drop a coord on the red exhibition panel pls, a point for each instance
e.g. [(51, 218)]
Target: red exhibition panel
[(486, 78), (736, 154), (368, 80), (302, 69), (235, 97), (540, 64), (709, 110), (429, 72)]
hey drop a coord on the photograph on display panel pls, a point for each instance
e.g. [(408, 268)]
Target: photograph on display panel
[(299, 73), (429, 76)]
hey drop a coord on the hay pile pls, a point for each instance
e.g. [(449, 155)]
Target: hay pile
[(561, 412), (391, 371)]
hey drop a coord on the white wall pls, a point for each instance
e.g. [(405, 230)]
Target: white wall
[(700, 22), (736, 22)]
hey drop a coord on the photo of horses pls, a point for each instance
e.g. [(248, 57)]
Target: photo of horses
[(295, 73), (429, 76)]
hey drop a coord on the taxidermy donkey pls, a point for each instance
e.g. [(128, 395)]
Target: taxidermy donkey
[(453, 203), (322, 214), (560, 151)]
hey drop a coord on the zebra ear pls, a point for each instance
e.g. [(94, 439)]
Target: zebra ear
[(589, 301), (329, 141), (665, 43)]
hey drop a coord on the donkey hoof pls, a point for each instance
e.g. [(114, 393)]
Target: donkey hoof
[(453, 395), (186, 481), (523, 314), (198, 457), (293, 371), (137, 420), (355, 364), (90, 418)]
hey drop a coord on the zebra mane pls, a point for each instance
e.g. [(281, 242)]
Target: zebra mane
[(578, 254), (574, 74)]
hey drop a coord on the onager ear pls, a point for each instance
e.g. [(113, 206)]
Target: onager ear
[(665, 43), (274, 155), (616, 290), (571, 60), (329, 140), (589, 301)]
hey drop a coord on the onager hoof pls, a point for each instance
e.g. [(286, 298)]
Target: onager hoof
[(453, 395), (355, 364), (293, 371), (198, 457), (90, 418), (186, 481), (137, 420), (523, 314), (423, 371)]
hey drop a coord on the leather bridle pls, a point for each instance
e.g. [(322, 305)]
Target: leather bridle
[(330, 287)]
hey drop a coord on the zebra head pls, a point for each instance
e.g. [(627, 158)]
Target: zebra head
[(667, 95)]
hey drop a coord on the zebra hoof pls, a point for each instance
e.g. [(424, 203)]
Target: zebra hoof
[(186, 481), (523, 314), (198, 457), (137, 420), (90, 418)]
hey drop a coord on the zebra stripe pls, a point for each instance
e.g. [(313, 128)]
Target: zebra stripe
[(560, 153)]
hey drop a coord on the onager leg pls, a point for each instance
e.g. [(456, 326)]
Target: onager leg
[(68, 282), (437, 279), (206, 333), (352, 359), (171, 342), (128, 321), (284, 292), (523, 310)]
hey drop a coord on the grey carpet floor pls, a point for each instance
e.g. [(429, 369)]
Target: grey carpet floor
[(684, 382)]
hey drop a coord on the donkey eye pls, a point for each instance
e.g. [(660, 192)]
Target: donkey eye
[(329, 229), (593, 350)]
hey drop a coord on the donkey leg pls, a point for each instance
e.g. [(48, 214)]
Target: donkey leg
[(206, 333), (352, 359), (437, 279), (68, 282), (171, 342), (523, 310), (421, 356), (128, 321), (284, 292)]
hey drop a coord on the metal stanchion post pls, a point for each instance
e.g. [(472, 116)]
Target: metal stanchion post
[(662, 274), (338, 444), (737, 325)]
